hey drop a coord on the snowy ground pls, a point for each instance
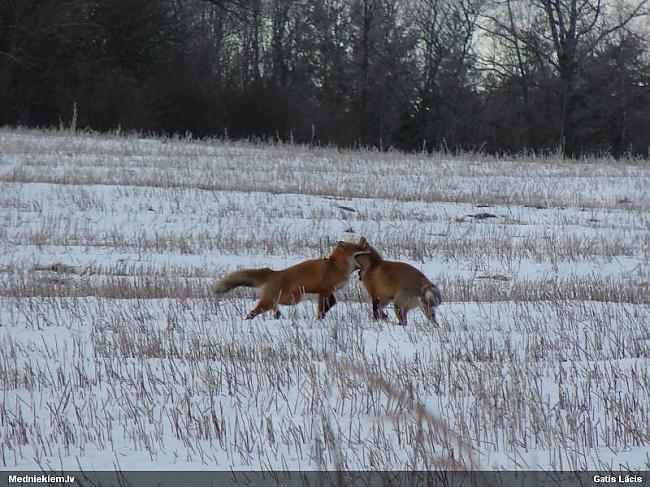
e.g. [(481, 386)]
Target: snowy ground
[(113, 354)]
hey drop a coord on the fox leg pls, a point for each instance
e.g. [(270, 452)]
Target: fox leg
[(430, 312), (377, 309), (325, 303), (270, 300), (402, 303), (262, 307), (432, 318), (401, 314)]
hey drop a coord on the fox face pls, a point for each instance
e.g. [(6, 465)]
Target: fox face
[(351, 251), (361, 264), (366, 258)]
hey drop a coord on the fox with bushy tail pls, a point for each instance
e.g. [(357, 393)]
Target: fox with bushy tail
[(287, 286), (399, 282)]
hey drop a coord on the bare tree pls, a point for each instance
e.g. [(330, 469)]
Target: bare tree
[(491, 74), (444, 31), (563, 34)]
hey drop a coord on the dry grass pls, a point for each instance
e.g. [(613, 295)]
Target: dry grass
[(161, 284), (113, 349)]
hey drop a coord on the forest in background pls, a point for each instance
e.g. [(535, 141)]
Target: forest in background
[(499, 76)]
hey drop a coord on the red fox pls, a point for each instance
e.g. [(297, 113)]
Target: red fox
[(386, 280), (319, 276)]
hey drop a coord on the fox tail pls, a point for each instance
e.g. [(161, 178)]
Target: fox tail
[(432, 295), (244, 277)]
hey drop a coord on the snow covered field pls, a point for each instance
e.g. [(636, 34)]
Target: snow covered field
[(114, 355)]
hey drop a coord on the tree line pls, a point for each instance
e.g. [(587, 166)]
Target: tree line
[(501, 76)]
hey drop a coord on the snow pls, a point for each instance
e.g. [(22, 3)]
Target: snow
[(120, 358)]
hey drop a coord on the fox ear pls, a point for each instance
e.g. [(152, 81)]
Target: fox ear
[(341, 242), (363, 241)]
